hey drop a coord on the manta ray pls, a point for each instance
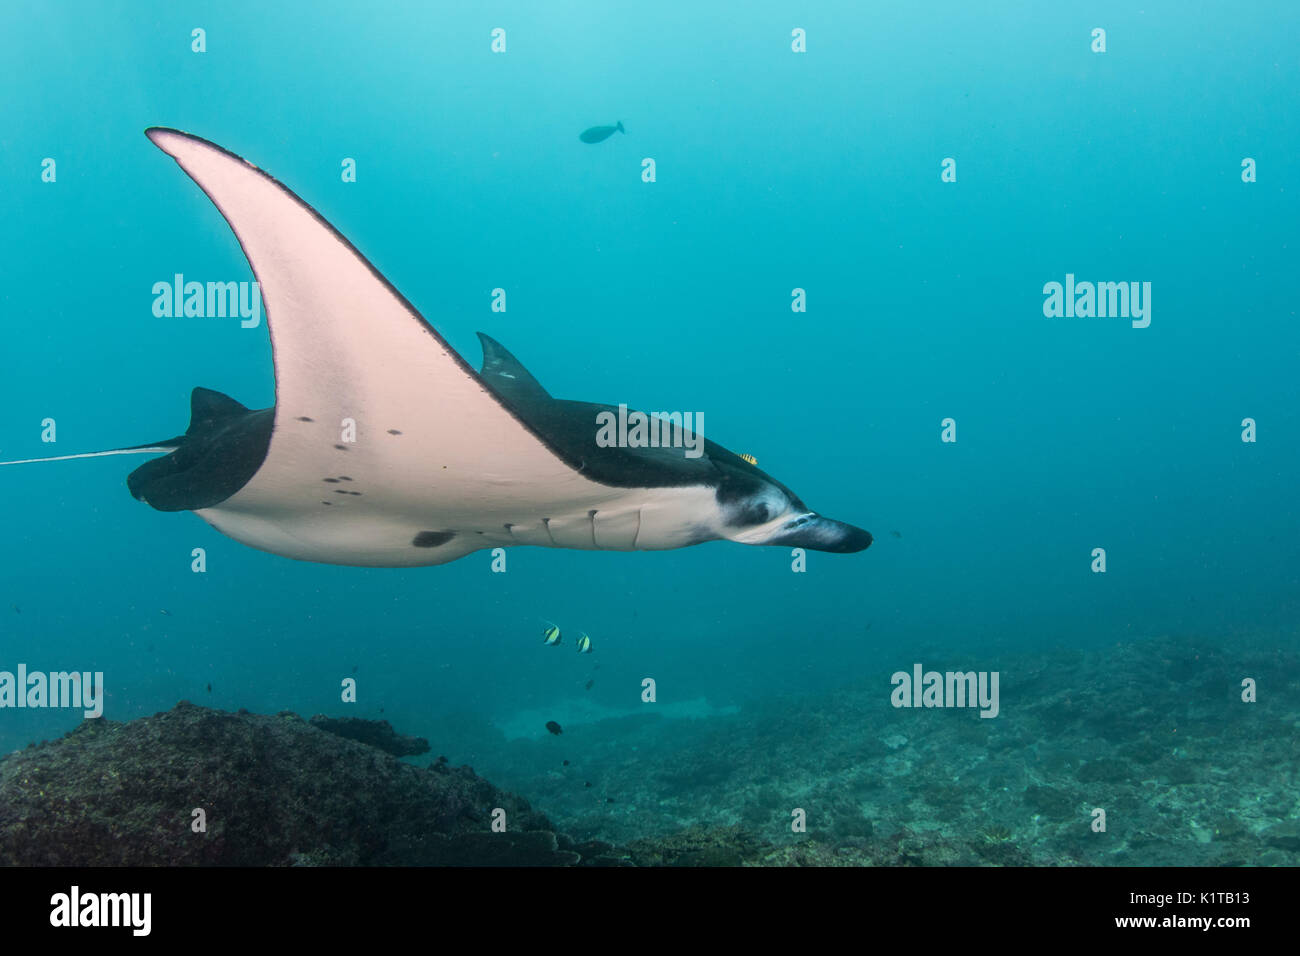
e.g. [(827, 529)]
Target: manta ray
[(385, 448)]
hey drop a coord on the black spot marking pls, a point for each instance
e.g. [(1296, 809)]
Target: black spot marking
[(592, 513), (356, 493), (393, 431), (341, 447), (508, 526), (340, 491), (327, 502), (344, 478), (332, 481), (431, 539), (304, 418)]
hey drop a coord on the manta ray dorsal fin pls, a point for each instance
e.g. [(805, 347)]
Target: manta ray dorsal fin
[(507, 375), (208, 406), (364, 385)]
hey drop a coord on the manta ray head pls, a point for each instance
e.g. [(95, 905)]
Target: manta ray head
[(758, 509)]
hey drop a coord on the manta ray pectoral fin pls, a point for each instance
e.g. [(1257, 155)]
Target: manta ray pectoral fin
[(364, 388)]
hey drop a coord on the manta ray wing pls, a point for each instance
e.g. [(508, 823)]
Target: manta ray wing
[(387, 448)]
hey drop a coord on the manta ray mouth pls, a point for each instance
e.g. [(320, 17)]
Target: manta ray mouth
[(816, 533)]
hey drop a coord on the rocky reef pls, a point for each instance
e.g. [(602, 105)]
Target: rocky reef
[(1154, 732), (267, 791), (376, 733)]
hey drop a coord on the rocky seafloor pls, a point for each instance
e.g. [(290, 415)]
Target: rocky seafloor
[(1153, 732)]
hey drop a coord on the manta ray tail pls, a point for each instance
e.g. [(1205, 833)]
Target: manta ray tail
[(153, 448), (207, 408), (221, 449)]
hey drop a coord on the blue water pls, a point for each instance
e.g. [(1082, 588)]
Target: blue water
[(775, 171)]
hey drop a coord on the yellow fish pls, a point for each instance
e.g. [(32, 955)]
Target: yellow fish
[(551, 636)]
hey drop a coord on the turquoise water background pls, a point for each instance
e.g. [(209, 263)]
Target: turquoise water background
[(775, 171)]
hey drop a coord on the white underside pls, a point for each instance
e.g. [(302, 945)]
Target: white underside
[(354, 533)]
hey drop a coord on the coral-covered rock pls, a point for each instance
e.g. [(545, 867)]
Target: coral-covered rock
[(272, 791)]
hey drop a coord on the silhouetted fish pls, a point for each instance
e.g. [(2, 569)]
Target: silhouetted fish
[(589, 685), (17, 609), (553, 727), (209, 688), (598, 134)]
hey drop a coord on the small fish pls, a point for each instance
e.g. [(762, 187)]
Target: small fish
[(209, 688), (164, 612), (587, 784), (584, 644), (609, 799), (354, 668), (553, 727), (17, 609), (566, 763), (551, 636), (749, 458), (589, 685), (598, 134), (896, 534)]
